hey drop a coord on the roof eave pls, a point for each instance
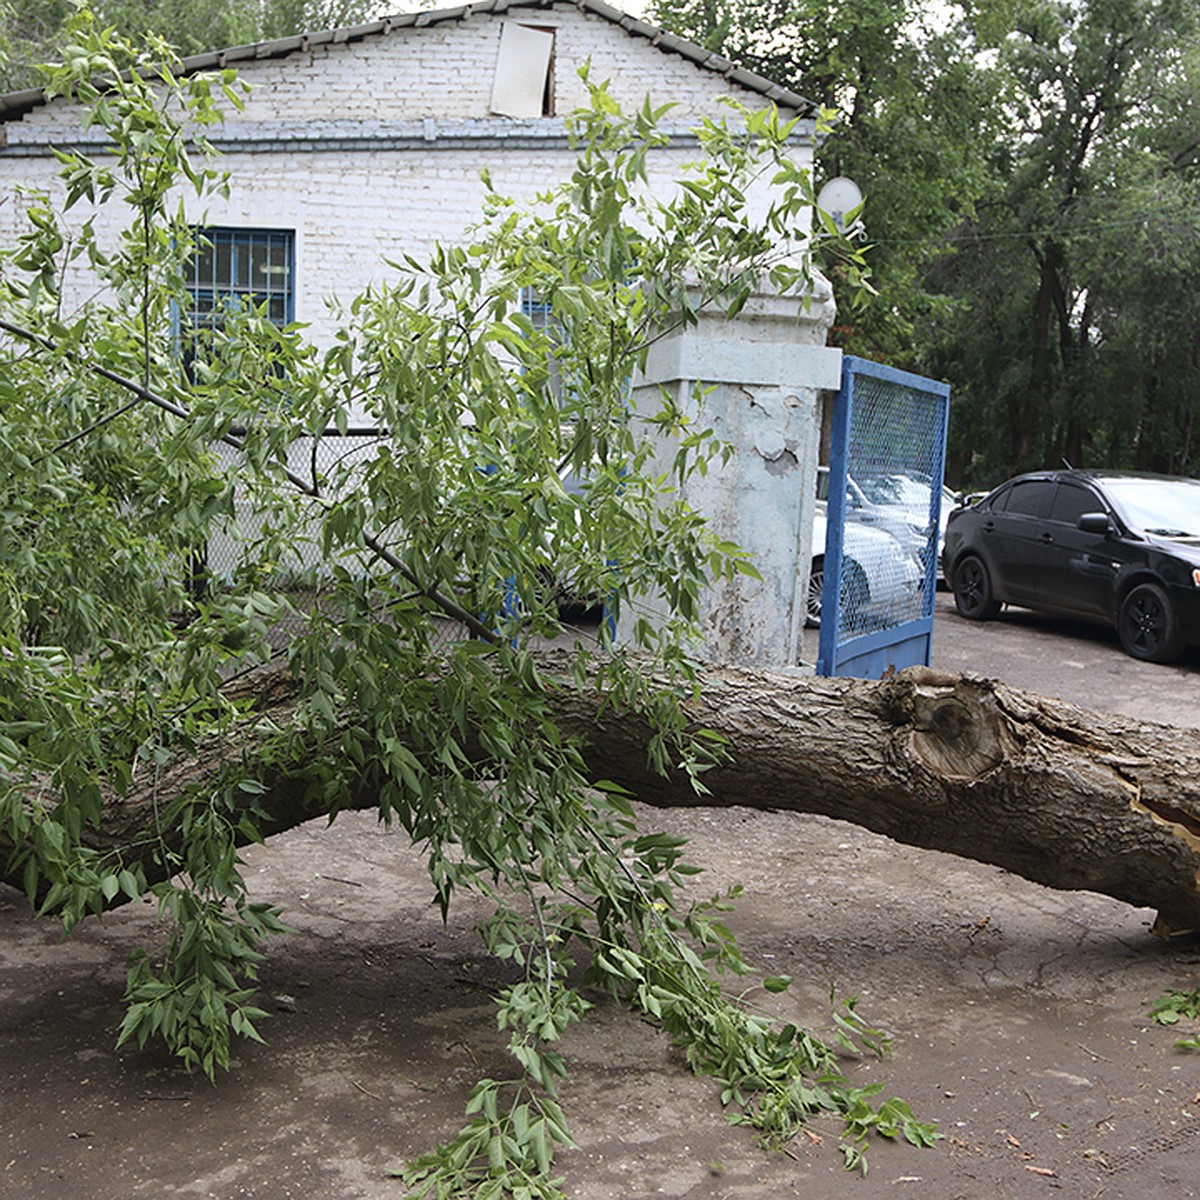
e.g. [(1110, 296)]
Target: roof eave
[(16, 104)]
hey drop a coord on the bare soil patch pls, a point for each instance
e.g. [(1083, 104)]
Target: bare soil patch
[(1019, 1017)]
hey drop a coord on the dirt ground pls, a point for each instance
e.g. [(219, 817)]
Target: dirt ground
[(1019, 1017)]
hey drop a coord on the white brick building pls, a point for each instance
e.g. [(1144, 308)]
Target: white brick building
[(360, 145)]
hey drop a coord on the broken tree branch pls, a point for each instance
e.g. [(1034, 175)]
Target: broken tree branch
[(1065, 797), (446, 604)]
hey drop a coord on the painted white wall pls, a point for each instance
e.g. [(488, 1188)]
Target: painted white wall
[(370, 150)]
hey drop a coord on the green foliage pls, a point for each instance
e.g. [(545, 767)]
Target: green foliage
[(914, 114), (194, 28), (113, 671), (1030, 176), (1078, 339), (36, 31), (1172, 1007), (197, 997), (506, 1149), (29, 34)]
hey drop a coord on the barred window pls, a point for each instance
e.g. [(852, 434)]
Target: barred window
[(235, 266)]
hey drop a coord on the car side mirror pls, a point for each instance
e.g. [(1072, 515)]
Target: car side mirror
[(1096, 522)]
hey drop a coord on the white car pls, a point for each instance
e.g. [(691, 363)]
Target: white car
[(896, 501), (904, 496), (881, 579)]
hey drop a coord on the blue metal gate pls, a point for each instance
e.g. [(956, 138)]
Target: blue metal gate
[(883, 521)]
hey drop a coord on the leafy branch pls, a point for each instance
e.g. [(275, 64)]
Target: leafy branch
[(115, 482)]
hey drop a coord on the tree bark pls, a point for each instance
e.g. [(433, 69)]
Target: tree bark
[(1065, 797), (1069, 798)]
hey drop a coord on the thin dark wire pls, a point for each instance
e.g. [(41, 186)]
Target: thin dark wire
[(1062, 231)]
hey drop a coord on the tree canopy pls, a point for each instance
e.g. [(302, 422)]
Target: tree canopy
[(408, 647), (1030, 174)]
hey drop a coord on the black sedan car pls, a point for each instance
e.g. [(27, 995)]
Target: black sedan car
[(1117, 545)]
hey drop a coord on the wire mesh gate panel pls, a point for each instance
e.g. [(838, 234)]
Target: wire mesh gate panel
[(883, 520)]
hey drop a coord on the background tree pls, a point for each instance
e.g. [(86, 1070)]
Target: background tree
[(1078, 346), (1029, 169), (29, 34), (914, 118)]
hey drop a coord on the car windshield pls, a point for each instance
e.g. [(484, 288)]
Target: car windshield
[(1166, 507), (906, 490)]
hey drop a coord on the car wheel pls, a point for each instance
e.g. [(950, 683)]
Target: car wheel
[(816, 581), (1147, 626), (973, 590), (856, 594)]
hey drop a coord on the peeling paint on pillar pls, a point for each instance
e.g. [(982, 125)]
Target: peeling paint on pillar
[(761, 375)]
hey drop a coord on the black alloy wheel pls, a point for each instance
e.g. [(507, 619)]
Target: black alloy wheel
[(973, 590), (1147, 626)]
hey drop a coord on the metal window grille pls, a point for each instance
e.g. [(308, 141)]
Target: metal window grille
[(241, 266), (537, 309)]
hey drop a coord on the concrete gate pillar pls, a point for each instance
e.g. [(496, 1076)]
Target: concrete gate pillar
[(762, 374)]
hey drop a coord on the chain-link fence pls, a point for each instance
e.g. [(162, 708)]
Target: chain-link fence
[(327, 464), (886, 506), (333, 464)]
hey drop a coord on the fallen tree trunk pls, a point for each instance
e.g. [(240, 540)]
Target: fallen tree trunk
[(1065, 797)]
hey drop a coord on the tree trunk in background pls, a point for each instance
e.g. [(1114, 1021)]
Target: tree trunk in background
[(1065, 797)]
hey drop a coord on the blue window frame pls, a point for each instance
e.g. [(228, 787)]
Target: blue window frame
[(541, 316), (537, 309), (232, 266)]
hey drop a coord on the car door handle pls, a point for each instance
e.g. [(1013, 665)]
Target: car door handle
[(1048, 538)]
